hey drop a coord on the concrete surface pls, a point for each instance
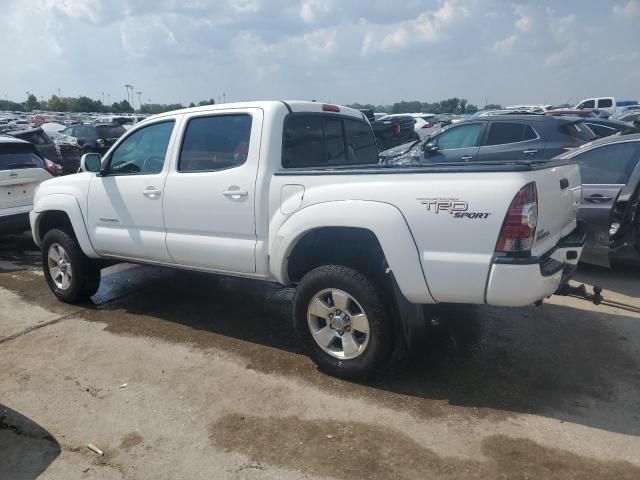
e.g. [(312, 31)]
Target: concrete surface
[(215, 387)]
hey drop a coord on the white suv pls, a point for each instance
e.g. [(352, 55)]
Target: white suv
[(22, 169)]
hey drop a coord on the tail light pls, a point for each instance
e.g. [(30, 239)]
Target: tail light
[(427, 125), (53, 168), (519, 227), (396, 128)]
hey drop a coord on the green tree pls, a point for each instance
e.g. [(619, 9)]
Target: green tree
[(203, 103), (31, 103), (191, 105), (58, 104), (493, 106)]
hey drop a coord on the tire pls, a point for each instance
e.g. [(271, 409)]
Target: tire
[(332, 325), (84, 275)]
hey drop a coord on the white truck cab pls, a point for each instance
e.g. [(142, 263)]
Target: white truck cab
[(293, 192), (606, 104)]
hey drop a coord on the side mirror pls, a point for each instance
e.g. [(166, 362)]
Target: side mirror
[(90, 162), (430, 148)]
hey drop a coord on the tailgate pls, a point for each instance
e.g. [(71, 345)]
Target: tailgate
[(17, 187), (559, 190)]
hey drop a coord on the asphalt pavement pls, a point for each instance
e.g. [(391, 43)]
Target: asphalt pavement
[(183, 375)]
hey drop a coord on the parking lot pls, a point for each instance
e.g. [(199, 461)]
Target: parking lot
[(181, 375)]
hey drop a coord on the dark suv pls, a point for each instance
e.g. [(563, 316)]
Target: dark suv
[(508, 137), (95, 138)]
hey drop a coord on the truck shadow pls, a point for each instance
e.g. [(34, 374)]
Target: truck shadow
[(570, 364), (623, 279), (26, 449)]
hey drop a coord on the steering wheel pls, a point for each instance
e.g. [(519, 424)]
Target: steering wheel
[(153, 164)]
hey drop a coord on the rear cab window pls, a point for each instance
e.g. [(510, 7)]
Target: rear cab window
[(322, 140)]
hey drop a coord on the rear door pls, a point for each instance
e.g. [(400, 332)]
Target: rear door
[(457, 144), (605, 171), (209, 202), (511, 141), (21, 171)]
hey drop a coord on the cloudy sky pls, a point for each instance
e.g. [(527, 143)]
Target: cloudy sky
[(339, 50)]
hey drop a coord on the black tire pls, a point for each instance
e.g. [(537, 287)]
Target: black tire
[(381, 332), (85, 278)]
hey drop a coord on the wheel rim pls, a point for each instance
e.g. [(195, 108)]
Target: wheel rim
[(59, 266), (338, 324)]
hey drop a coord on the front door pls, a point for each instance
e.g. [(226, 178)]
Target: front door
[(605, 171), (125, 202), (210, 197)]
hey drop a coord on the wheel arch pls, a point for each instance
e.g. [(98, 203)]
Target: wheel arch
[(381, 225), (61, 211)]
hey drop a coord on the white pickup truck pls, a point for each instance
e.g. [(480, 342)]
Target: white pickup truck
[(292, 192)]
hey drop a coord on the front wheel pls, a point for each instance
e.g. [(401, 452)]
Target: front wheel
[(70, 274), (342, 323)]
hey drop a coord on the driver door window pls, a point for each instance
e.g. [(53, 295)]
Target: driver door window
[(143, 152), (463, 136)]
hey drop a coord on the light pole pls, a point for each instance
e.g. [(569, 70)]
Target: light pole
[(139, 100), (127, 86)]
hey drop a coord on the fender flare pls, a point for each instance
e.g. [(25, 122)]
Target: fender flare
[(384, 220), (68, 204)]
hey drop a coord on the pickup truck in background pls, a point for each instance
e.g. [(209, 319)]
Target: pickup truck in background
[(292, 192)]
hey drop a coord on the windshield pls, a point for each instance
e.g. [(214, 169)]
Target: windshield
[(17, 156)]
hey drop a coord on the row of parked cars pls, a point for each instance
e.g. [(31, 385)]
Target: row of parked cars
[(607, 151)]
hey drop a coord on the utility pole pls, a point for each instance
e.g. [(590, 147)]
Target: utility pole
[(224, 98)]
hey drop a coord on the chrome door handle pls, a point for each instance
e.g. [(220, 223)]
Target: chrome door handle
[(598, 199), (151, 192), (235, 193), (530, 152), (466, 157)]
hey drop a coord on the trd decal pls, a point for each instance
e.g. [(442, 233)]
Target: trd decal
[(453, 206)]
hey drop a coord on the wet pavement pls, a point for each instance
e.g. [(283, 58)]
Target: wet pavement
[(216, 388)]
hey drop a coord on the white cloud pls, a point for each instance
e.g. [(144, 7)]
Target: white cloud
[(505, 46), (630, 10)]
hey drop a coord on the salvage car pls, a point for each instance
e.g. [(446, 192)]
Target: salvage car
[(499, 137), (291, 192), (22, 169), (40, 139), (610, 194), (95, 138), (603, 127), (394, 130)]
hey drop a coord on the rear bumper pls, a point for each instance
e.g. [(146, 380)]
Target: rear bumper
[(516, 282), (15, 223)]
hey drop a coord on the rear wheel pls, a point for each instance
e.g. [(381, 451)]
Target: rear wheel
[(341, 322), (70, 274)]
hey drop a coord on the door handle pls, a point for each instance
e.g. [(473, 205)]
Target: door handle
[(597, 198), (530, 152), (235, 193), (151, 192), (466, 158)]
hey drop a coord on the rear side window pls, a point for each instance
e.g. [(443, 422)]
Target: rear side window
[(578, 131), (610, 164), (323, 141), (501, 133), (18, 156), (86, 132), (215, 143), (605, 103)]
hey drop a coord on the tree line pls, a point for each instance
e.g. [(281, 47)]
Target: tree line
[(86, 104)]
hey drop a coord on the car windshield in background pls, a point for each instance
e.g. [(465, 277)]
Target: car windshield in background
[(19, 156), (109, 131), (578, 131), (85, 132)]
